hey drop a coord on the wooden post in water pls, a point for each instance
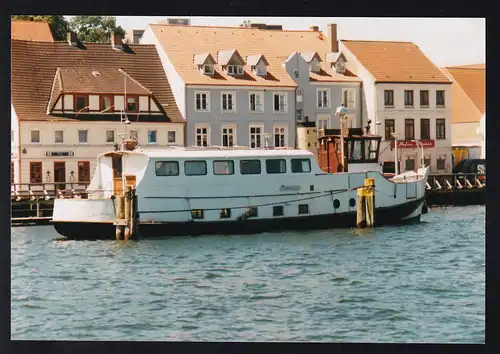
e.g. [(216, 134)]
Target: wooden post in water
[(370, 201), (361, 209), (119, 216)]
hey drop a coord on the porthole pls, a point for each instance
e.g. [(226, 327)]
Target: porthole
[(336, 203), (352, 202)]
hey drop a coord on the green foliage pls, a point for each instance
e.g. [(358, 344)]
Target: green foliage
[(95, 28), (58, 24)]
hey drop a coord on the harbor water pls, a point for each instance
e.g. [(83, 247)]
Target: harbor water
[(419, 283)]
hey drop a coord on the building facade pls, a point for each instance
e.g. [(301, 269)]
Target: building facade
[(408, 95), (250, 85), (73, 104), (468, 107)]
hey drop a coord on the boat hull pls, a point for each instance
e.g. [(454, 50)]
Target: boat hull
[(401, 214)]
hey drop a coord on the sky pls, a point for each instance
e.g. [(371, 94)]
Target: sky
[(445, 41)]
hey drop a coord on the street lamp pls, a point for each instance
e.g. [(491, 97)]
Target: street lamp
[(342, 111)]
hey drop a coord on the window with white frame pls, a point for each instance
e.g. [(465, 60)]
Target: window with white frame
[(208, 69), (110, 136), (256, 136), (202, 135), (280, 135), (228, 133), (202, 101), (348, 97), (228, 101), (323, 98), (152, 136), (171, 136), (235, 69), (59, 136), (279, 102), (256, 102), (35, 136), (322, 124), (83, 136)]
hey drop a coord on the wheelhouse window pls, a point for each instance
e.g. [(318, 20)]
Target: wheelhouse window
[(440, 98), (223, 167), (83, 136), (35, 172), (110, 136), (275, 166), (250, 167), (301, 165), (59, 136), (35, 136), (409, 129), (303, 208), (278, 210), (425, 129), (280, 102), (107, 103), (195, 168), (152, 136), (83, 171), (440, 128), (132, 104), (389, 128), (389, 98), (197, 214), (81, 102), (424, 98), (408, 98), (167, 168)]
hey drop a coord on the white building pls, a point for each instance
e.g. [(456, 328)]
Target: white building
[(405, 94), (70, 102)]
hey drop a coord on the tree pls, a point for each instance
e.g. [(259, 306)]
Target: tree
[(95, 28), (58, 24)]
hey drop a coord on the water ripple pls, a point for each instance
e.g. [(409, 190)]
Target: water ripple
[(421, 283)]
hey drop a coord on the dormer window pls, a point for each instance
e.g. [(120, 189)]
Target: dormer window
[(208, 69), (340, 67), (132, 104), (337, 60), (260, 70), (235, 69), (314, 66), (258, 64)]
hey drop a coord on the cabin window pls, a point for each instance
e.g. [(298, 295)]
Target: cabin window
[(278, 210), (223, 167), (303, 208), (195, 168), (250, 167), (371, 147), (356, 151), (167, 168), (336, 203), (251, 212), (225, 213), (352, 202), (197, 214), (275, 166), (301, 165)]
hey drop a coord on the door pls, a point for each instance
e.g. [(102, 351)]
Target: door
[(60, 175), (117, 175)]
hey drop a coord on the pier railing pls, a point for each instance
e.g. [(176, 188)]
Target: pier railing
[(455, 181), (47, 190)]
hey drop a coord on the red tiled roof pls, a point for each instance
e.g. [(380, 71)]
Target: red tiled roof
[(395, 62), (35, 64), (31, 31), (181, 43)]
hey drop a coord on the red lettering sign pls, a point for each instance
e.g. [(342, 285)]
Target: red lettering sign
[(412, 144)]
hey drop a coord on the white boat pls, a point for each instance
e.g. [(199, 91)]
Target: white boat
[(193, 191)]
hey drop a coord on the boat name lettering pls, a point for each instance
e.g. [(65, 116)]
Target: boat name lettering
[(289, 188)]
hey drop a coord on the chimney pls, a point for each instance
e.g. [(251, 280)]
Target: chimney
[(116, 40), (332, 35), (72, 38), (314, 28)]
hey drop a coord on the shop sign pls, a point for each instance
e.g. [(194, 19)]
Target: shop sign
[(411, 144), (59, 153)]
